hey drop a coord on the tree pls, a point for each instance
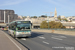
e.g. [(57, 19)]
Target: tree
[(44, 16), (59, 17), (54, 24), (23, 17), (65, 19), (44, 24), (34, 17)]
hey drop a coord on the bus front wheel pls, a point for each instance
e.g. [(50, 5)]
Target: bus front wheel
[(14, 36)]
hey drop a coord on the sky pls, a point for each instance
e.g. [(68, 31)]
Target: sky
[(39, 7)]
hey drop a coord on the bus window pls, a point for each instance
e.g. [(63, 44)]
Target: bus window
[(23, 26)]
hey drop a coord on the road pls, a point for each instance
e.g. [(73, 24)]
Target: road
[(48, 41)]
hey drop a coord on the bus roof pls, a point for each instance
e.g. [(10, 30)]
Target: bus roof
[(16, 21)]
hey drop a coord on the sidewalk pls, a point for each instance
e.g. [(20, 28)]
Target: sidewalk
[(8, 43)]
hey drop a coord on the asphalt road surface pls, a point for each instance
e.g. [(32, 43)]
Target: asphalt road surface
[(48, 41)]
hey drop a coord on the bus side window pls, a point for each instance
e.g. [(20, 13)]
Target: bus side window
[(10, 26), (14, 27)]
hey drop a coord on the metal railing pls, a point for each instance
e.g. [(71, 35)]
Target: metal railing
[(55, 29)]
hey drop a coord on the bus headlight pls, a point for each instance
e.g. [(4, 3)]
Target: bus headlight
[(29, 32), (17, 33)]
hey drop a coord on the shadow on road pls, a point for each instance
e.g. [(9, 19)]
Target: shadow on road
[(33, 35)]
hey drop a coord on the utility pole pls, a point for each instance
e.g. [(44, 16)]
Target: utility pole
[(48, 17), (50, 13)]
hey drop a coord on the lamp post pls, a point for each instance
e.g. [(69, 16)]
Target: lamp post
[(48, 22), (48, 17)]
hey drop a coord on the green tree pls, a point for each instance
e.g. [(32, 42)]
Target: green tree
[(34, 17), (43, 16), (23, 17), (65, 19), (54, 24), (44, 24), (59, 17)]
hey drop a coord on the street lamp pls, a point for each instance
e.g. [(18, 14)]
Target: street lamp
[(48, 18), (48, 22)]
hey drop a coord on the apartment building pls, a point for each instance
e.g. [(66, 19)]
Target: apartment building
[(4, 15)]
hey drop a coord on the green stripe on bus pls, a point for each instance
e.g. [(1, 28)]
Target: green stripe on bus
[(14, 32)]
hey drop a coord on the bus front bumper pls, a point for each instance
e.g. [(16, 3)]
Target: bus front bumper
[(23, 35)]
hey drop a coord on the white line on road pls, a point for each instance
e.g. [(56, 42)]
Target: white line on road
[(59, 36), (63, 36), (42, 37), (23, 39), (56, 38), (45, 42), (13, 42)]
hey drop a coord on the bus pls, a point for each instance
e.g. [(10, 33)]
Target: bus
[(20, 28)]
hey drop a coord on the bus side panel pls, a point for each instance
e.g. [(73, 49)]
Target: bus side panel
[(11, 32)]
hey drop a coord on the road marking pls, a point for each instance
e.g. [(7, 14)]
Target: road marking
[(56, 38), (45, 42), (13, 42), (59, 36), (42, 37), (23, 39), (63, 36)]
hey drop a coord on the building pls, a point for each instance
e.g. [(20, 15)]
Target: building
[(69, 25), (1, 15), (4, 15), (55, 14), (20, 18), (71, 19), (61, 17)]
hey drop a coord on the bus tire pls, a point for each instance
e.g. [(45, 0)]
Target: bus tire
[(14, 36), (10, 34)]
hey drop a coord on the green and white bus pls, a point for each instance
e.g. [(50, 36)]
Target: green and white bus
[(20, 28)]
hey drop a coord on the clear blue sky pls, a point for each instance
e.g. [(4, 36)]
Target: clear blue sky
[(39, 7)]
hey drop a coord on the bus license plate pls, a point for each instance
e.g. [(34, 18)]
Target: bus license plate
[(25, 32)]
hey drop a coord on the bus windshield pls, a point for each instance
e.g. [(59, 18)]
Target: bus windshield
[(23, 26)]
